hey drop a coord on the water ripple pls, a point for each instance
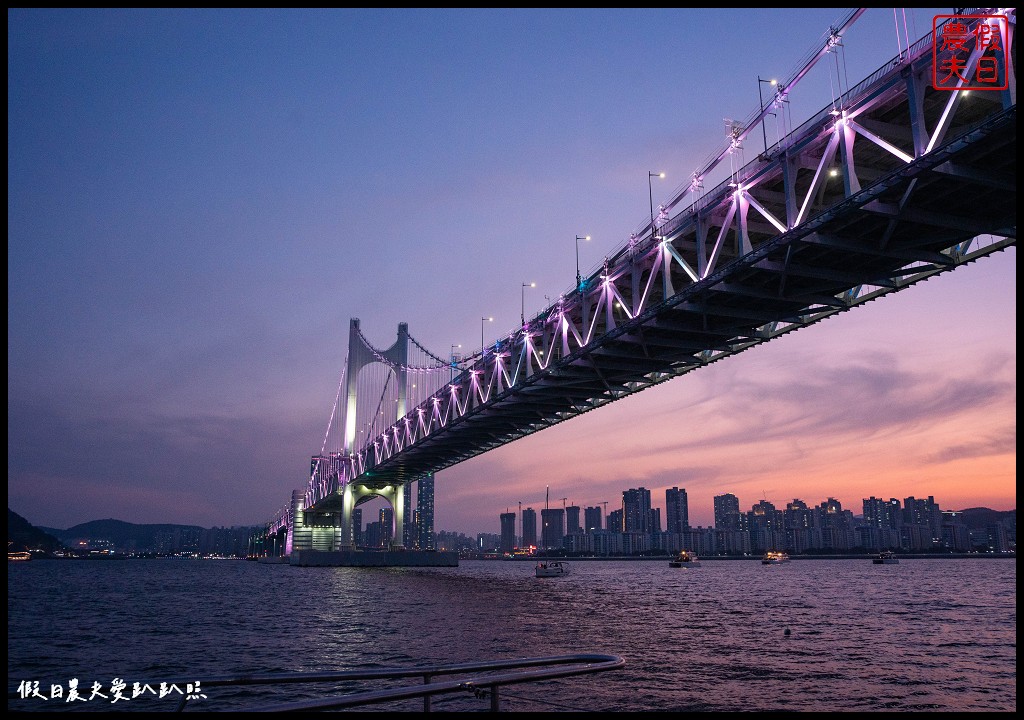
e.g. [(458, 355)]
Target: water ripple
[(926, 635)]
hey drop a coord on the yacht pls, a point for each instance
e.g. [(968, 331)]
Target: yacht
[(887, 557), (774, 557)]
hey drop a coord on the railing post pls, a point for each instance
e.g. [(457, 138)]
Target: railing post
[(426, 698), (495, 705)]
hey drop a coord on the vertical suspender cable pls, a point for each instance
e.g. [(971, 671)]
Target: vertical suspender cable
[(896, 23)]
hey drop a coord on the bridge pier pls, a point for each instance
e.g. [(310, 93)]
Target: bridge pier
[(354, 493), (326, 539)]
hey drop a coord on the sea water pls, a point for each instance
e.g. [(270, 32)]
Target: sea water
[(731, 635)]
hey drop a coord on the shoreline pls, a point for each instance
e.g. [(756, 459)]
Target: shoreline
[(731, 558)]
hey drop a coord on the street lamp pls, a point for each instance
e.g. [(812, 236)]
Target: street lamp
[(578, 278), (773, 83), (452, 377), (650, 193), (522, 312), (482, 321)]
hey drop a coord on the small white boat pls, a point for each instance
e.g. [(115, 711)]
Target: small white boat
[(887, 557), (774, 557), (684, 559), (552, 568)]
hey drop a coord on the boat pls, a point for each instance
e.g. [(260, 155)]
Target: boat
[(552, 568), (17, 555), (887, 557), (684, 559), (774, 557)]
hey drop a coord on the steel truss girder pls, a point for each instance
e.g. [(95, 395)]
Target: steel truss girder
[(881, 239)]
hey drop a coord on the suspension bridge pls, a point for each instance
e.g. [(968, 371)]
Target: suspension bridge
[(892, 182)]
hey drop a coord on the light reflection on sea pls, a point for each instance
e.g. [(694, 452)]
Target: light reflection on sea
[(936, 634)]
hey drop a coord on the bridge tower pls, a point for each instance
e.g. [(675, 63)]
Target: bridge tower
[(359, 356), (331, 530)]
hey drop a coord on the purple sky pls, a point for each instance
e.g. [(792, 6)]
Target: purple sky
[(198, 201)]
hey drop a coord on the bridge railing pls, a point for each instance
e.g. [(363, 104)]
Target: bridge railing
[(483, 680), (916, 49)]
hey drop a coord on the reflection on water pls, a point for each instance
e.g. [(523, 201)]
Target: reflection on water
[(810, 635)]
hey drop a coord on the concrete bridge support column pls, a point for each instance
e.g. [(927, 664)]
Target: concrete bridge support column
[(354, 493), (299, 535), (395, 494), (348, 504)]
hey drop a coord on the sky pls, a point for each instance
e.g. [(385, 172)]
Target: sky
[(200, 200)]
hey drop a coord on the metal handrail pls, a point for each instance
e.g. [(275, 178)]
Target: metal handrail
[(480, 683)]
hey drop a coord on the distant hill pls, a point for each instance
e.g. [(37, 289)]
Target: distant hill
[(980, 518), (122, 534), (25, 536)]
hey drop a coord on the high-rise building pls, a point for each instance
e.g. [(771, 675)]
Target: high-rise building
[(879, 513), (508, 532), (615, 521), (797, 515), (387, 526), (425, 511), (374, 535), (677, 510), (489, 542), (409, 520), (831, 507), (553, 527), (636, 510), (572, 520), (529, 527), (358, 539), (924, 512), (837, 533), (954, 535), (592, 519), (727, 512), (764, 515)]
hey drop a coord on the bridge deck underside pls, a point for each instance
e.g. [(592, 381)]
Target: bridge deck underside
[(888, 185), (900, 229), (868, 240)]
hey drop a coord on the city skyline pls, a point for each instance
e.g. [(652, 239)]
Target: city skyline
[(855, 507), (200, 200), (605, 510), (910, 524)]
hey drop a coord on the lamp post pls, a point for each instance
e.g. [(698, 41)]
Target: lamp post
[(482, 321), (522, 312), (773, 83), (650, 193), (578, 277), (452, 376)]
